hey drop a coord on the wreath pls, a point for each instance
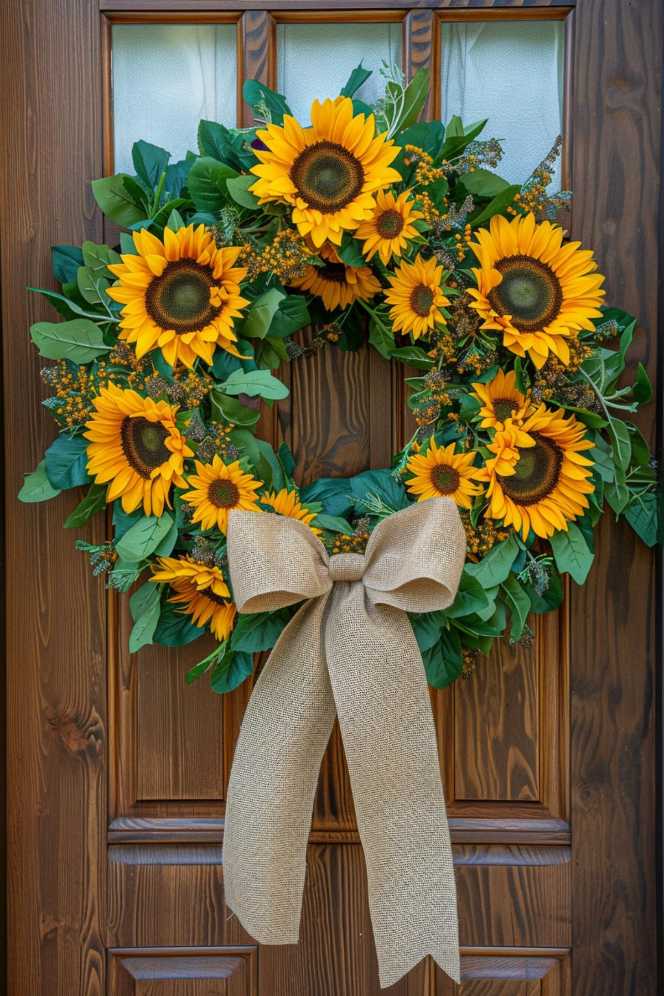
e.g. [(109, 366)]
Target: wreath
[(272, 242)]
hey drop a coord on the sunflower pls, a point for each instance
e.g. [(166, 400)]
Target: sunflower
[(218, 488), (441, 472), (391, 226), (136, 445), (501, 400), (288, 503), (538, 477), (416, 297), (336, 284), (328, 172), (534, 289), (200, 590), (181, 294)]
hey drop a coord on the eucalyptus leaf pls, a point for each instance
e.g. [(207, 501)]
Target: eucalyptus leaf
[(255, 383), (66, 462), (571, 553), (145, 606), (494, 568), (37, 487), (94, 501), (519, 605), (143, 537), (234, 668), (258, 631)]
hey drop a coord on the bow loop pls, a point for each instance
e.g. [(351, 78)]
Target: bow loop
[(282, 561)]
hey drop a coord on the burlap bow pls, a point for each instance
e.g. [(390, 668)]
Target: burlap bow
[(350, 651)]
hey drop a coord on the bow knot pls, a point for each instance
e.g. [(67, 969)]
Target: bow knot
[(346, 567), (349, 651)]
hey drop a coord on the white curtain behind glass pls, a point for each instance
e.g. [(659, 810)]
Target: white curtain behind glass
[(315, 60), (512, 73), (165, 78)]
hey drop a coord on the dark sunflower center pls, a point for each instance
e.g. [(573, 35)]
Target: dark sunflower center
[(537, 472), (389, 224), (143, 444), (504, 408), (223, 494), (327, 176), (180, 298), (530, 292), (421, 299), (445, 479), (334, 272)]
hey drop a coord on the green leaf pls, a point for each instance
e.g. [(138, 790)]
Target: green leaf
[(66, 462), (94, 502), (150, 161), (145, 606), (414, 98), (333, 523), (78, 340), (175, 221), (427, 628), (291, 315), (426, 135), (621, 442), (258, 631), (483, 183), (495, 206), (224, 144), (257, 94), (260, 314), (91, 285), (255, 382), (571, 553), (207, 184), (358, 76), (642, 388), (143, 537), (65, 261), (238, 188), (642, 515), (382, 484), (334, 493), (470, 598), (37, 487), (495, 567), (231, 671), (99, 257), (175, 629), (264, 460), (112, 194), (618, 495), (519, 605), (381, 338), (350, 252), (413, 356), (227, 409), (549, 599), (443, 662)]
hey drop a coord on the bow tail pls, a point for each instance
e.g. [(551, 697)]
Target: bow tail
[(273, 782), (384, 711)]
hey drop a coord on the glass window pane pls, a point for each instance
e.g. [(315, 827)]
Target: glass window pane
[(165, 78), (510, 72), (315, 60)]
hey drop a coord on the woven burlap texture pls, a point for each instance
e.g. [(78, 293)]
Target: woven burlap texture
[(349, 651)]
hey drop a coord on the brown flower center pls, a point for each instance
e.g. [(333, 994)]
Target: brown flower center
[(504, 408), (537, 472), (389, 224), (530, 292), (223, 494), (143, 444), (327, 176), (334, 272), (180, 298), (421, 299), (445, 479)]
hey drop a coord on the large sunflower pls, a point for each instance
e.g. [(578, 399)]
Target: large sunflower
[(390, 227), (219, 487), (416, 297), (336, 284), (532, 288), (181, 294), (501, 400), (200, 590), (136, 445), (441, 472), (288, 503), (538, 477), (328, 172)]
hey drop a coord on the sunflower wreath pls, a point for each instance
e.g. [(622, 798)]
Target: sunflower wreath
[(366, 226)]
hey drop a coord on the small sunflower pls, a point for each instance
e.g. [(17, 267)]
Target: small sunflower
[(441, 472), (328, 172), (391, 226), (416, 297), (536, 291), (336, 284), (538, 477), (201, 591), (219, 487), (501, 400), (136, 445), (288, 503), (181, 295)]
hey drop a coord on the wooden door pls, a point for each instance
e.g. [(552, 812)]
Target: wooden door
[(117, 771)]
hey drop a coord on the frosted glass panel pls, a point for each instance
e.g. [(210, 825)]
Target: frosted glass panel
[(315, 60), (165, 78), (512, 73)]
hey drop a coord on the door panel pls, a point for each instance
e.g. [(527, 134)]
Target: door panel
[(547, 751)]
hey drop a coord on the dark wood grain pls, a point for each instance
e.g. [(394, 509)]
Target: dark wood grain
[(194, 6), (56, 704), (616, 166), (226, 971)]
